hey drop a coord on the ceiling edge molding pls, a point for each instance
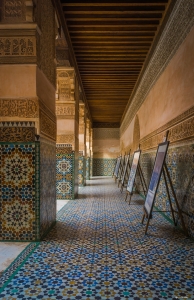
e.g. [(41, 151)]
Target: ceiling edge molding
[(176, 29), (58, 7)]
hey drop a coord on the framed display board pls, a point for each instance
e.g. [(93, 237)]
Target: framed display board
[(133, 171), (155, 178), (117, 166)]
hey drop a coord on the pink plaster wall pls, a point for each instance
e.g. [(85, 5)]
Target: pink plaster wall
[(109, 148), (17, 81), (172, 94)]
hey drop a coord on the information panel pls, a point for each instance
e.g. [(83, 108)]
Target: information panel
[(155, 178), (133, 171), (125, 170), (117, 166)]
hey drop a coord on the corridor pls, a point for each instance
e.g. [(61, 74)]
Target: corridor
[(98, 250)]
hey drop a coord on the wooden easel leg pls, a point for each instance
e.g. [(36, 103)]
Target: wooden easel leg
[(143, 183), (175, 198), (121, 188), (147, 225), (167, 189)]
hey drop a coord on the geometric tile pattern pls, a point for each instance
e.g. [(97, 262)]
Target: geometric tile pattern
[(180, 164), (88, 168), (64, 174), (81, 170), (19, 202), (103, 166), (98, 250)]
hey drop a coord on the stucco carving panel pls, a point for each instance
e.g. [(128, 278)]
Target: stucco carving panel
[(17, 131), (65, 110), (18, 46), (25, 108), (177, 28), (106, 133), (65, 85), (13, 10), (67, 139)]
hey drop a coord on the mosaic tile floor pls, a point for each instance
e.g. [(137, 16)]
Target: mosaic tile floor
[(98, 250)]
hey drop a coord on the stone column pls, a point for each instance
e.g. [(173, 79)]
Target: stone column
[(27, 119), (82, 146), (67, 112)]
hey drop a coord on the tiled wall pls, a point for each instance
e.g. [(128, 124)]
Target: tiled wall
[(81, 170), (64, 174), (88, 168), (28, 195), (180, 163), (103, 166), (19, 202)]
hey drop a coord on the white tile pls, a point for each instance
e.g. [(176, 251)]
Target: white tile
[(61, 203)]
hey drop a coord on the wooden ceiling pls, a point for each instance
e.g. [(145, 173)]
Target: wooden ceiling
[(111, 40)]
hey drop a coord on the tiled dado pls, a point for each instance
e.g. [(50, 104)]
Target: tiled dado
[(81, 170), (19, 191), (65, 160), (27, 201), (103, 166)]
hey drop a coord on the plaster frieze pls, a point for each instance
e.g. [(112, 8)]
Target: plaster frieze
[(180, 129)]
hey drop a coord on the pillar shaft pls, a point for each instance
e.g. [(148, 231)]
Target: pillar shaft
[(67, 112)]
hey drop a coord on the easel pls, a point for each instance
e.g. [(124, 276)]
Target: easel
[(167, 179), (142, 180), (126, 172), (121, 170)]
